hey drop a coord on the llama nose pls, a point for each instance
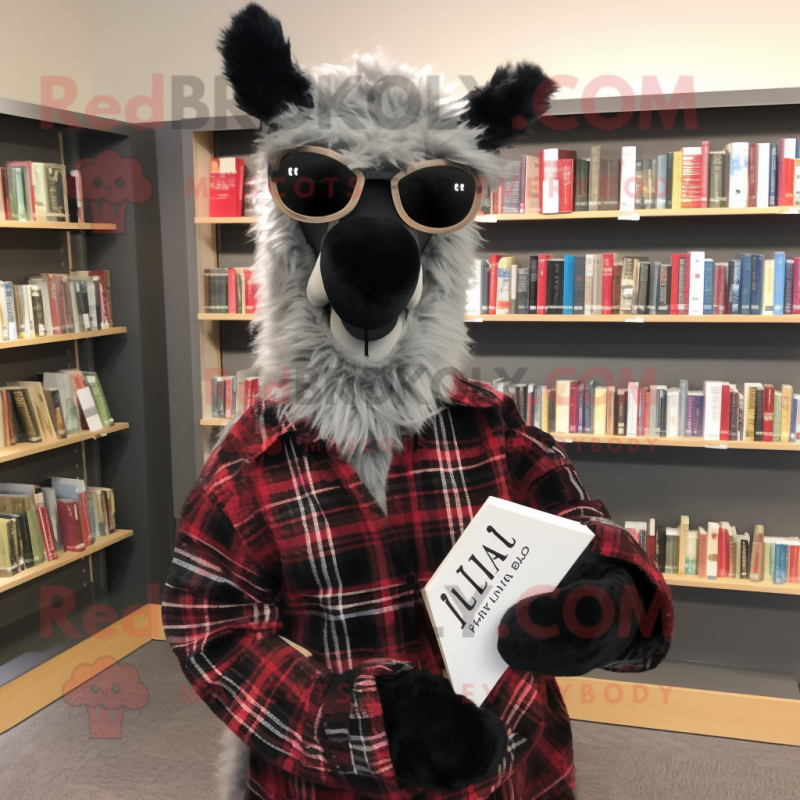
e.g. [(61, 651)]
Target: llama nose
[(370, 264)]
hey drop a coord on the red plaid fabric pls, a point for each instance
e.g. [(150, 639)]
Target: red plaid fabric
[(279, 538)]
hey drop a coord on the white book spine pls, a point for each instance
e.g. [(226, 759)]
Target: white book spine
[(696, 282), (627, 179), (737, 176), (768, 289), (600, 410), (562, 405), (549, 167), (588, 285), (762, 176), (673, 407), (631, 423), (712, 552), (712, 409)]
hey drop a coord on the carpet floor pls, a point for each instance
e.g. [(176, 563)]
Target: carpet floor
[(167, 750)]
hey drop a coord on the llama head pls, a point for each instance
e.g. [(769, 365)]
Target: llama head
[(363, 309)]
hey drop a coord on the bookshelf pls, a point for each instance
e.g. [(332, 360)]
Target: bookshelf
[(683, 319), (116, 570), (640, 213), (6, 584), (62, 337), (740, 627)]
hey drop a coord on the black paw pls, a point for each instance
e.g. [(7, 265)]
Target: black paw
[(437, 738)]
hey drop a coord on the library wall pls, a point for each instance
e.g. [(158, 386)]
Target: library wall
[(115, 48)]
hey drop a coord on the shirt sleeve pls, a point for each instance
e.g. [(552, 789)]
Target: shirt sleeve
[(223, 622), (544, 478)]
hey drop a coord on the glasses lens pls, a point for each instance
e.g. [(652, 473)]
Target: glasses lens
[(437, 197), (312, 184)]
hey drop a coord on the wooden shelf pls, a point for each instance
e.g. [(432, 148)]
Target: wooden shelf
[(642, 213), (216, 422), (28, 449), (62, 337), (225, 220), (725, 319), (222, 317), (67, 557), (736, 584), (59, 226), (672, 441)]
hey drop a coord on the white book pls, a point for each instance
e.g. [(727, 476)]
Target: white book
[(597, 286), (600, 395), (514, 273), (627, 179), (673, 409), (712, 550), (762, 176), (712, 409), (696, 282), (632, 423), (562, 405), (797, 182), (506, 553), (588, 285), (737, 174), (549, 167)]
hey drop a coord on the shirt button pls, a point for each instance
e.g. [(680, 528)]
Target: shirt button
[(411, 580)]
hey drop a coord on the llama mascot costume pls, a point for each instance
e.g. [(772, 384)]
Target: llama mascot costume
[(293, 602)]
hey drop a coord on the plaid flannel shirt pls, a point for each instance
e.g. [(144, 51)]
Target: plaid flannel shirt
[(279, 538)]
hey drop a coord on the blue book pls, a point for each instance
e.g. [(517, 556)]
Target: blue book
[(708, 286), (757, 284), (569, 284), (793, 421), (779, 284), (734, 284), (746, 281), (773, 174), (781, 562)]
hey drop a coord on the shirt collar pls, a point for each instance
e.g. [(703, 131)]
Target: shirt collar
[(262, 425)]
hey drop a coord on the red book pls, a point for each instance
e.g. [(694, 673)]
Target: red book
[(548, 177), (651, 544), (493, 261), (53, 291), (46, 529), (529, 400), (705, 162), (541, 284), (796, 287), (794, 564), (723, 553), (69, 525), (691, 177), (786, 155), (720, 271), (769, 411), (249, 291), (226, 187), (608, 282), (752, 175), (725, 420), (231, 290), (574, 399), (642, 418), (674, 299), (105, 297), (566, 168), (83, 516)]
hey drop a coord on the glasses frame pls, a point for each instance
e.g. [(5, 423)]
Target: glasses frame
[(359, 187)]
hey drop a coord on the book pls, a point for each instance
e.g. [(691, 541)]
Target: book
[(226, 187), (627, 179), (579, 284), (738, 154), (487, 570), (581, 185), (550, 174), (696, 282)]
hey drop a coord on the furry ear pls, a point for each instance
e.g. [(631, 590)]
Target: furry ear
[(514, 98), (258, 64)]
